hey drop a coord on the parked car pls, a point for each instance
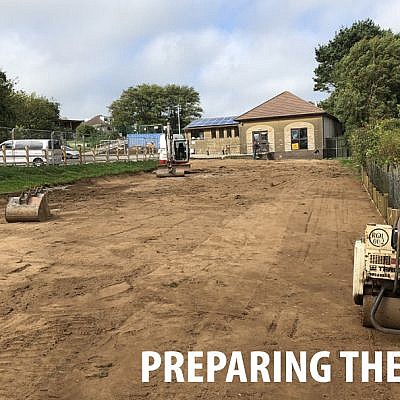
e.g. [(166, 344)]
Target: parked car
[(71, 153)]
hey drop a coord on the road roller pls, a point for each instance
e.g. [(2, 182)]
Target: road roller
[(174, 155), (30, 206), (376, 276)]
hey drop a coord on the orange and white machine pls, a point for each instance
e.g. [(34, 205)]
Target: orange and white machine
[(174, 154), (376, 277)]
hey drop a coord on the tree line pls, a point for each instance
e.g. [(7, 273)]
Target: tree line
[(147, 104), (25, 110), (359, 69), (144, 104)]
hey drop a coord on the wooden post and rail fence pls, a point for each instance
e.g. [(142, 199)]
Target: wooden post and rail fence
[(381, 200)]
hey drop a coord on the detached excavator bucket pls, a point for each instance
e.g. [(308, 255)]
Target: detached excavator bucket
[(31, 206)]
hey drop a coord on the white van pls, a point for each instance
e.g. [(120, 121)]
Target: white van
[(41, 151)]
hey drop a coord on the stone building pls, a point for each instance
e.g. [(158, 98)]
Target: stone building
[(295, 129)]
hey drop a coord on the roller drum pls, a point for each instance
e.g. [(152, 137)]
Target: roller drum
[(387, 315)]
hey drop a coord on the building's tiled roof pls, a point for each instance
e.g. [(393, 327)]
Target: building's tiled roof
[(210, 122), (97, 120), (283, 105), (64, 119)]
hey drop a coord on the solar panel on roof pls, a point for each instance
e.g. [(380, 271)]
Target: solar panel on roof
[(204, 122)]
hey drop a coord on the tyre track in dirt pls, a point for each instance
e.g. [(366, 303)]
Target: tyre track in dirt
[(258, 257)]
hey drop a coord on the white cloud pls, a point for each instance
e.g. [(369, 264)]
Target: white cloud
[(252, 68), (388, 15), (84, 53)]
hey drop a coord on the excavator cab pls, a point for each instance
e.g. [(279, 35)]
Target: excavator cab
[(181, 151)]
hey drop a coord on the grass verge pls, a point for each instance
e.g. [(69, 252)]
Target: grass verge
[(349, 162), (15, 179)]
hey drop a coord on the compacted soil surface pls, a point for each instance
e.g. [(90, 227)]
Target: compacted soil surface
[(239, 255)]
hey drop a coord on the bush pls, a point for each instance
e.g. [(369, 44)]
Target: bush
[(378, 142), (363, 144), (388, 151)]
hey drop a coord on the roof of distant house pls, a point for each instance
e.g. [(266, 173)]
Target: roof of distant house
[(285, 104), (211, 122), (69, 119), (97, 120)]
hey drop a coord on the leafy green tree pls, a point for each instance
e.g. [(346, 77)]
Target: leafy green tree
[(149, 104), (330, 54), (35, 112), (188, 101), (7, 117), (367, 82), (86, 130), (140, 105)]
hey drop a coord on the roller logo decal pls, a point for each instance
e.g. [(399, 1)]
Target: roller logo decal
[(378, 237)]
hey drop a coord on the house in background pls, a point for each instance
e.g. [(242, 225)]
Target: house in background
[(296, 128), (100, 122), (69, 124), (213, 136)]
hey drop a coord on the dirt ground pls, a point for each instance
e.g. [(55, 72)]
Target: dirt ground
[(239, 255)]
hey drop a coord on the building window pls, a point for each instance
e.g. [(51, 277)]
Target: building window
[(213, 134), (236, 132), (221, 133), (197, 135), (299, 138), (228, 132)]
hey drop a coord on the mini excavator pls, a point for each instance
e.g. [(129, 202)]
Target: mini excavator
[(174, 154)]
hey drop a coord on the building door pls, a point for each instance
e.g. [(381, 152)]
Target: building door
[(260, 144)]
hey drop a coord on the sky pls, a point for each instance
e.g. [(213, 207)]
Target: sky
[(235, 53)]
